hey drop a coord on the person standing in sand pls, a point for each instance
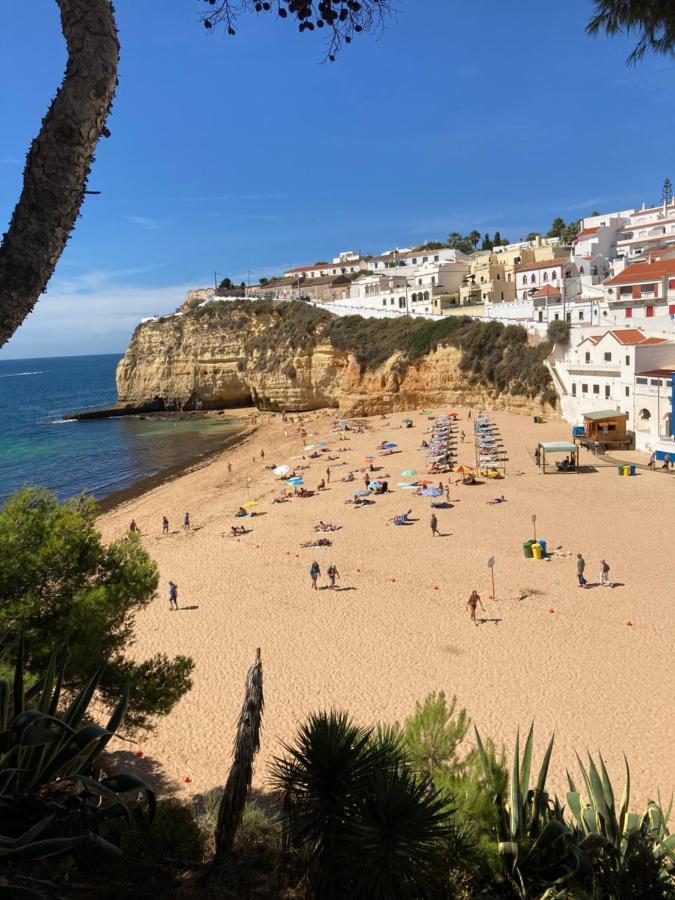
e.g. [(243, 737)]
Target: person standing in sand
[(434, 525), (133, 527), (314, 572), (332, 573), (173, 595), (604, 574), (165, 525), (581, 565), (472, 603), (328, 475), (186, 521), (229, 468)]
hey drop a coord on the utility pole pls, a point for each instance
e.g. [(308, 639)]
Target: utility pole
[(215, 280)]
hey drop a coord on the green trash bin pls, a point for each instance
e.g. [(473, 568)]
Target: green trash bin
[(527, 548), (620, 470)]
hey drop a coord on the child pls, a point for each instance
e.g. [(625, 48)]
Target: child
[(332, 575)]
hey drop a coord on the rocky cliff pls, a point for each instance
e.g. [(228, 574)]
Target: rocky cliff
[(294, 357)]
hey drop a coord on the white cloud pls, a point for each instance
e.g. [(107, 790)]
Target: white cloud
[(146, 222), (93, 313)]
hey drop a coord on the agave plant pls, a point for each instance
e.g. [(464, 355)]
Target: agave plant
[(365, 824), (50, 801), (599, 825), (535, 844)]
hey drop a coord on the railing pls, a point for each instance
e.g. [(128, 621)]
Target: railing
[(591, 366)]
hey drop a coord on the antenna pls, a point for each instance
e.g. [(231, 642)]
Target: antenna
[(667, 194)]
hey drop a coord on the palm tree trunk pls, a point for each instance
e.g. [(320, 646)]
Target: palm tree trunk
[(59, 160), (246, 745)]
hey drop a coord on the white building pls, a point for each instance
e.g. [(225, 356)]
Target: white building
[(409, 291), (624, 370), (408, 258), (347, 263)]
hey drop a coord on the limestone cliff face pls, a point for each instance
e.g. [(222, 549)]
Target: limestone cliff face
[(234, 359)]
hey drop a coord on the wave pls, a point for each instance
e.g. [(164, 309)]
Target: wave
[(16, 374), (62, 421)]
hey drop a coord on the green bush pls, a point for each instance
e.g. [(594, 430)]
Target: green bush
[(174, 833), (60, 585)]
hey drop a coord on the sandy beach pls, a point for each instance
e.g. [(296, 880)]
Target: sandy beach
[(398, 627)]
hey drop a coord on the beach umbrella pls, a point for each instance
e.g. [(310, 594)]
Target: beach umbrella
[(282, 470), (375, 484), (360, 492), (423, 481), (407, 422), (249, 504), (309, 447), (432, 492), (370, 457), (389, 446), (296, 481), (408, 472), (321, 444)]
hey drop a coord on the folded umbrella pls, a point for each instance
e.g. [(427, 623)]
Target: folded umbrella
[(282, 470)]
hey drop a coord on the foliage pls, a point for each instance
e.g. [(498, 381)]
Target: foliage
[(433, 734), (60, 585), (246, 746), (174, 832), (341, 19), (50, 800), (367, 825), (558, 332), (566, 232), (465, 244), (652, 20), (616, 838), (224, 285)]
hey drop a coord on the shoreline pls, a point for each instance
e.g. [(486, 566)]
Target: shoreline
[(117, 499)]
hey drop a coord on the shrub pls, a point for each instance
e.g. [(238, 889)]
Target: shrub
[(59, 584), (558, 332), (174, 832)]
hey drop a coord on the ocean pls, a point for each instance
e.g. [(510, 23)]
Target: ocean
[(101, 456)]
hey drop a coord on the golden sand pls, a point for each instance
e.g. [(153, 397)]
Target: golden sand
[(398, 628)]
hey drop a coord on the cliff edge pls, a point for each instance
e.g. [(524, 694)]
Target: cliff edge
[(292, 356)]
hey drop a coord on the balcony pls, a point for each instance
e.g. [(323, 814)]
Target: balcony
[(604, 367)]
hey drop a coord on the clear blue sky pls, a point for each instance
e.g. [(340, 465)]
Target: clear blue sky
[(248, 153)]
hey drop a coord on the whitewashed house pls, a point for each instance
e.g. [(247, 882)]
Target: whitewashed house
[(622, 369)]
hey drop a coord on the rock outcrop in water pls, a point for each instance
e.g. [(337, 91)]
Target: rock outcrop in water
[(292, 356)]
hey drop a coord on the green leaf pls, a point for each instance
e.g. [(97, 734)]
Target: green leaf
[(48, 684), (516, 796), (113, 724), (574, 803), (540, 790), (625, 800), (124, 782), (4, 704), (526, 764), (29, 836), (78, 707), (484, 759)]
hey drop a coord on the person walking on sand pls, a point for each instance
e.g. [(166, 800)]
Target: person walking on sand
[(328, 475), (604, 574), (332, 573), (462, 436), (133, 527), (434, 525), (186, 521), (262, 454), (314, 572), (229, 468), (173, 595), (581, 565), (165, 525), (366, 480), (472, 603), (469, 416)]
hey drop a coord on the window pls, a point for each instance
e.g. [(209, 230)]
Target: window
[(414, 261), (655, 382), (419, 281), (574, 388), (596, 388), (541, 315), (629, 312), (606, 392), (401, 302), (649, 310), (645, 415), (384, 302), (433, 279), (584, 388), (627, 391), (627, 360), (556, 317), (545, 276), (508, 276), (498, 276), (425, 259), (581, 316), (524, 279), (524, 295), (671, 309), (608, 357), (426, 295), (641, 380), (436, 258), (391, 302), (588, 357), (532, 279)]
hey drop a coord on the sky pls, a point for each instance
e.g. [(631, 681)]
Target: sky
[(248, 155)]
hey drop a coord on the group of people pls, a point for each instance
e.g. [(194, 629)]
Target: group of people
[(604, 572), (315, 573)]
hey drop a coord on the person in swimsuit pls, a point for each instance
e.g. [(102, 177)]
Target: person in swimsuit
[(332, 575), (314, 572), (165, 525), (472, 603)]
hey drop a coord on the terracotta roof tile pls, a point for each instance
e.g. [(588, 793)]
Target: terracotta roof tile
[(641, 272)]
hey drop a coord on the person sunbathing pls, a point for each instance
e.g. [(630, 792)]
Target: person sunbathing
[(349, 477), (317, 542), (496, 500), (402, 519), (322, 485), (237, 530), (241, 513), (326, 526)]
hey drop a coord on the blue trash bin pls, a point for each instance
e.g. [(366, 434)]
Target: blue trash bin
[(542, 544)]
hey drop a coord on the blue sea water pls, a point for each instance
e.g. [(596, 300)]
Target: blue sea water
[(37, 446)]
